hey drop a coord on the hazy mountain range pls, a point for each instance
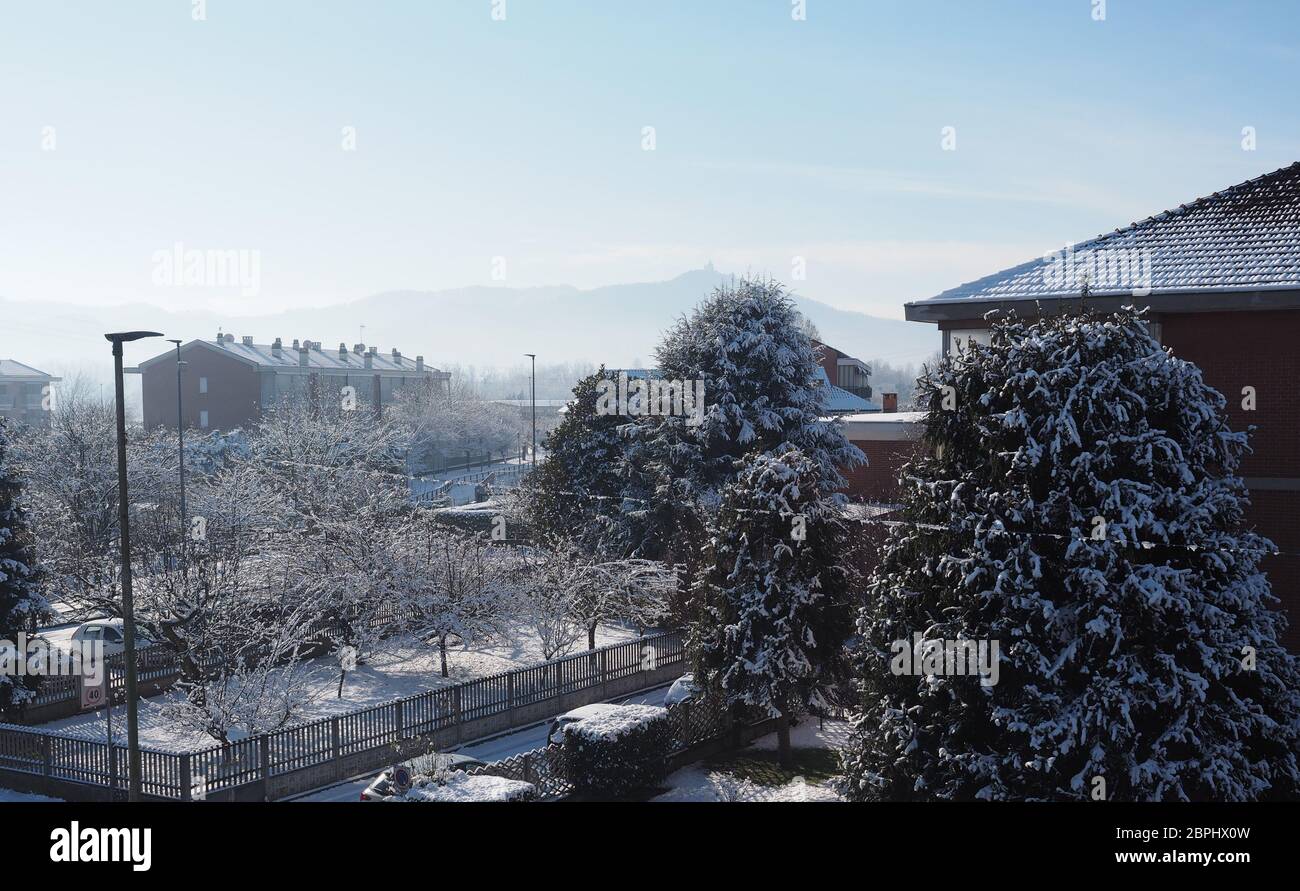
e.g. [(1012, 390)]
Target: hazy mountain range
[(618, 325)]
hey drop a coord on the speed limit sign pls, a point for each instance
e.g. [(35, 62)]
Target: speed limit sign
[(94, 696)]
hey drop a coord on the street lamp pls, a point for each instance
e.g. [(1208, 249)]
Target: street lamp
[(533, 401), (180, 447), (128, 611)]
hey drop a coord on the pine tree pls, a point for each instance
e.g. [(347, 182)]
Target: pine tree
[(21, 604), (582, 492), (773, 602), (747, 344), (1081, 509)]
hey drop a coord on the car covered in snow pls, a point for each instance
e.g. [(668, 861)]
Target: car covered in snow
[(683, 688), (386, 785), (572, 716)]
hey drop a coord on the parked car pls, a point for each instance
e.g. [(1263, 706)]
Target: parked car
[(594, 710), (683, 688), (109, 632), (382, 786)]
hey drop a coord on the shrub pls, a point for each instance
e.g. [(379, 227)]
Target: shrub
[(618, 751)]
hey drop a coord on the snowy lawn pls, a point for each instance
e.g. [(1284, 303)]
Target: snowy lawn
[(754, 773), (401, 668)]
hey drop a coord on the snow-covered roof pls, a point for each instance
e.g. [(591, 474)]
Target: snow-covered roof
[(837, 399), (12, 368), (319, 358), (899, 426), (1244, 238)]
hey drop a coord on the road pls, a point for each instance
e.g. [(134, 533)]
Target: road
[(523, 740)]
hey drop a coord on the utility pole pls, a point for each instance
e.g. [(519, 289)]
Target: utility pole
[(533, 401), (180, 446), (124, 524)]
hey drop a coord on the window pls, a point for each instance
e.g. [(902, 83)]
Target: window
[(203, 419), (965, 336), (203, 387)]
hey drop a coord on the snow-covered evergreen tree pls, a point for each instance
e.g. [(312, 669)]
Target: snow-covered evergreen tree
[(21, 603), (1080, 507), (747, 344), (578, 492), (773, 604)]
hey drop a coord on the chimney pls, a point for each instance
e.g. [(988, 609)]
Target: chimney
[(276, 348), (370, 358), (889, 402), (397, 357), (303, 351), (230, 338), (295, 344), (419, 363), (247, 341), (343, 351), (358, 348)]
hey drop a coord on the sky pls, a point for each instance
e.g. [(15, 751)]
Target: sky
[(349, 148)]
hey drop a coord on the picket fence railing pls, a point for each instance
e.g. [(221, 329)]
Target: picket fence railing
[(198, 774)]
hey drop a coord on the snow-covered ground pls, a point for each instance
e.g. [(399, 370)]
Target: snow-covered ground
[(402, 668), (699, 782)]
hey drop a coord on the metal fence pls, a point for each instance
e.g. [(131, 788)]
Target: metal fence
[(190, 775)]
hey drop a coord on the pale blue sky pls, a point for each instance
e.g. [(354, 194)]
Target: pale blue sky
[(523, 138)]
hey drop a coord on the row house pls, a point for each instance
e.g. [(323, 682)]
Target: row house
[(227, 383), (26, 394)]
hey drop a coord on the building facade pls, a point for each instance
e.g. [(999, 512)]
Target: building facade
[(227, 383), (26, 394), (1220, 278)]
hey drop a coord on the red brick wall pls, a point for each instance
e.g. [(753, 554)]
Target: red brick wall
[(1277, 515), (1256, 349), (878, 480)]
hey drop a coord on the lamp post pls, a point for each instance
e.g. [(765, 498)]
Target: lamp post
[(532, 388), (128, 611), (180, 447)]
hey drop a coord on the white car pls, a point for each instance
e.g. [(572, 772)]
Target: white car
[(683, 688), (107, 631)]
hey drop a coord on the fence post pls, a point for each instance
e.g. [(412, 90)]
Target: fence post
[(397, 707), (264, 755), (528, 767), (47, 766), (336, 742), (603, 677), (187, 790), (112, 769), (510, 691)]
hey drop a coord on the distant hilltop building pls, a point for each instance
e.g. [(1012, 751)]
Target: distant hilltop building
[(227, 383), (26, 394)]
